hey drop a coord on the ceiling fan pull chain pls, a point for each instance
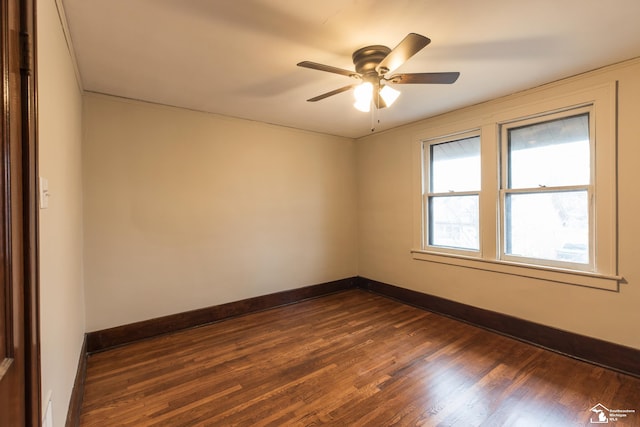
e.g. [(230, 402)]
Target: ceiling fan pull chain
[(374, 111)]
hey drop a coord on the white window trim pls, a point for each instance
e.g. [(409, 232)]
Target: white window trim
[(603, 99), (550, 274)]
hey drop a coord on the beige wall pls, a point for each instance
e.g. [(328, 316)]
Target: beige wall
[(386, 194), (62, 316), (185, 210)]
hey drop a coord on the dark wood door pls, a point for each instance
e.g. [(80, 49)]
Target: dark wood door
[(19, 358)]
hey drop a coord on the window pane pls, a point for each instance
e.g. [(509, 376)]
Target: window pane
[(549, 154), (552, 226), (453, 222), (455, 166)]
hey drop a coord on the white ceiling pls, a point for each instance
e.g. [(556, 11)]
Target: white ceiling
[(238, 57)]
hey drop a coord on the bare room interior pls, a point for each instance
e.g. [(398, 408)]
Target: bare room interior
[(225, 238)]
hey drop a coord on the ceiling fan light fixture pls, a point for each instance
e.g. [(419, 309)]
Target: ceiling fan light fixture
[(365, 107), (363, 94), (389, 95)]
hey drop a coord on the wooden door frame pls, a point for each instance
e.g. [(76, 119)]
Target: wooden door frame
[(22, 193), (30, 213)]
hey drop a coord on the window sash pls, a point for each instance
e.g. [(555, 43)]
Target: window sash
[(504, 228), (431, 225), (545, 126)]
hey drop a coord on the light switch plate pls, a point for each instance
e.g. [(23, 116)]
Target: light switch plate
[(44, 193)]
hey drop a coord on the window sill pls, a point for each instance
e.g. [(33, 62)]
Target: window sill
[(571, 277)]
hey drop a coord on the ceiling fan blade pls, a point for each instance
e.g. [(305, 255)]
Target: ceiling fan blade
[(432, 78), (328, 68), (408, 47), (333, 92)]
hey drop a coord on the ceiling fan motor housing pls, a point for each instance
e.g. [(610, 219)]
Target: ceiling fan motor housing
[(367, 58)]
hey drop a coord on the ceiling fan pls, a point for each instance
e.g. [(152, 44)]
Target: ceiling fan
[(373, 65)]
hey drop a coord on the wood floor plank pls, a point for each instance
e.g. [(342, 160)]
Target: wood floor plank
[(348, 359)]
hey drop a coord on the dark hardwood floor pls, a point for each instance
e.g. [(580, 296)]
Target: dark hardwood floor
[(348, 359)]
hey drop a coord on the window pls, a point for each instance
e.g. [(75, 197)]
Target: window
[(530, 192), (546, 190), (454, 189)]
